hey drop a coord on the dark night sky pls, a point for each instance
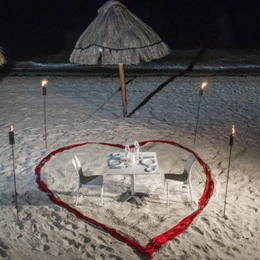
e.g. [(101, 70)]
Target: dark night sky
[(38, 28)]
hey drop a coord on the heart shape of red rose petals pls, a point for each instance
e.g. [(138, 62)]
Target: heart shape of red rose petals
[(156, 242)]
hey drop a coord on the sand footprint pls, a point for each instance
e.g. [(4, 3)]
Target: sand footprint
[(3, 248), (44, 238), (108, 252), (58, 225), (74, 245), (48, 227), (196, 229), (55, 216), (43, 248), (70, 225), (219, 243), (110, 249), (84, 239), (20, 225), (102, 239), (206, 221), (3, 253)]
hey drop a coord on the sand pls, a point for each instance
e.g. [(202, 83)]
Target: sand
[(84, 109)]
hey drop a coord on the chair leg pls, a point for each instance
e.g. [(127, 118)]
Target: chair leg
[(101, 195), (167, 193), (190, 192), (164, 186), (77, 197)]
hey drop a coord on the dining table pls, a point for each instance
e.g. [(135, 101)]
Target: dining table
[(143, 163)]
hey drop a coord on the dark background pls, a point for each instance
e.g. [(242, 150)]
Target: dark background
[(40, 28)]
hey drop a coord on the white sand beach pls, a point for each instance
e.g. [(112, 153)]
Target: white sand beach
[(88, 109)]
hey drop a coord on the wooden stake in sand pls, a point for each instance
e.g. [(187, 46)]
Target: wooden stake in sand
[(231, 142), (12, 142)]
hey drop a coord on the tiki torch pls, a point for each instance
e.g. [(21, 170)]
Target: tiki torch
[(231, 142), (204, 84), (12, 142), (44, 92)]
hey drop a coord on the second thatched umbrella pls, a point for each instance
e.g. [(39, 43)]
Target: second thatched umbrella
[(2, 57), (117, 36)]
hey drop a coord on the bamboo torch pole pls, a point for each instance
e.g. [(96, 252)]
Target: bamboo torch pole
[(12, 142), (204, 84), (44, 91), (123, 88), (231, 142)]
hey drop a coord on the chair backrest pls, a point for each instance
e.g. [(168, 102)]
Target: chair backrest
[(189, 164), (77, 165), (77, 162)]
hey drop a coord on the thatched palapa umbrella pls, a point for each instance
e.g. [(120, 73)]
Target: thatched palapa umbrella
[(117, 36), (2, 57)]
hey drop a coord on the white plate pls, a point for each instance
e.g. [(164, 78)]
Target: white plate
[(148, 162), (114, 162), (115, 155), (149, 169)]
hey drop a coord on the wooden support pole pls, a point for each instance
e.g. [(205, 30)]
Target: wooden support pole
[(123, 88)]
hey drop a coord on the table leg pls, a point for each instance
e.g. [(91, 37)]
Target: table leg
[(132, 188), (128, 197)]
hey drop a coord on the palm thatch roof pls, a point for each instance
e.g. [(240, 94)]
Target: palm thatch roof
[(2, 57), (118, 36)]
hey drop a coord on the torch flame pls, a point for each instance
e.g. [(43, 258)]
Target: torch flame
[(11, 128), (204, 84), (233, 130), (44, 82)]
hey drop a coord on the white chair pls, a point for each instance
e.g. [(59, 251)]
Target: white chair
[(185, 177), (91, 181)]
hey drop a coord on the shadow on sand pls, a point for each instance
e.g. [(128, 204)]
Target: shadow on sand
[(165, 83)]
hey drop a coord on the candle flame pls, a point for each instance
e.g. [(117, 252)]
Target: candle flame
[(233, 130), (44, 82), (11, 128), (204, 84)]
